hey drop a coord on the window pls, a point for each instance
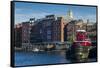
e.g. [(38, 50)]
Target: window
[(48, 23), (48, 36), (40, 31), (49, 32)]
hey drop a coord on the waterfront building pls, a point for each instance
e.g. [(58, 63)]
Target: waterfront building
[(48, 29), (18, 35), (71, 27)]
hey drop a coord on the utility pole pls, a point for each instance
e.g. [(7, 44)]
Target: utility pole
[(87, 27)]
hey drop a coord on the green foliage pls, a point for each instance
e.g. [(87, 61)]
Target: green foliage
[(71, 38), (91, 35)]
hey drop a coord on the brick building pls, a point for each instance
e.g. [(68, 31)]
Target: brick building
[(71, 27), (18, 35), (22, 34), (48, 29)]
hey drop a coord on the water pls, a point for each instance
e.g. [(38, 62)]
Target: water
[(34, 58)]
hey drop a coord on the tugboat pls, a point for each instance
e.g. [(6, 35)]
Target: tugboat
[(81, 46)]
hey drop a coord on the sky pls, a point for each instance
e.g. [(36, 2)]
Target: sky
[(24, 11)]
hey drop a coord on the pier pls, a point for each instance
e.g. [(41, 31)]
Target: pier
[(45, 45)]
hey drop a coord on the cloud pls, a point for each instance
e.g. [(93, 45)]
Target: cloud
[(24, 14), (25, 17), (91, 17)]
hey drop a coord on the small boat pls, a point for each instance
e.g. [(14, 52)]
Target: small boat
[(36, 50)]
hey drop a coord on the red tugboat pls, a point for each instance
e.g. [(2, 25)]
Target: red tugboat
[(81, 45)]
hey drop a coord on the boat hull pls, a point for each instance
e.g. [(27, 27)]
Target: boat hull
[(78, 52)]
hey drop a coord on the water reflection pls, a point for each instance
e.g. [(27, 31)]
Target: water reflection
[(38, 58)]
